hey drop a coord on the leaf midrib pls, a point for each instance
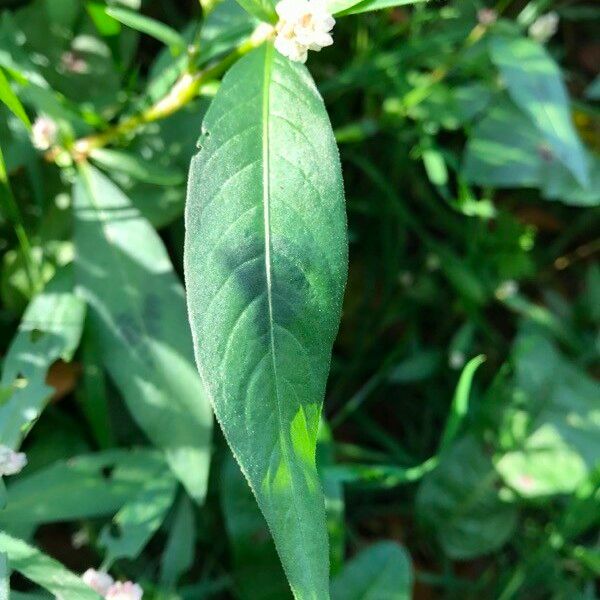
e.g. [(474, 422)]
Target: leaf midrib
[(266, 194)]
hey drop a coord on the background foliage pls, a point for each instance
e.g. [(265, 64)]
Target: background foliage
[(470, 160)]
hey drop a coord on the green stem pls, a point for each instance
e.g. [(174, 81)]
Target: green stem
[(185, 89)]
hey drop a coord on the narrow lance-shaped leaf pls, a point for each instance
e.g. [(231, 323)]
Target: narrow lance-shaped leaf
[(10, 99), (137, 313), (178, 556), (265, 264), (139, 519), (86, 486), (160, 31), (45, 571)]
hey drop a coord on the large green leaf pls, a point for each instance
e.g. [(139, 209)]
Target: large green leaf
[(381, 572), (137, 312), (50, 329), (45, 571), (459, 502), (535, 84), (265, 264)]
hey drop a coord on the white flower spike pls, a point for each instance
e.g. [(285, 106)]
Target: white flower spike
[(303, 25), (11, 462), (99, 581), (43, 133), (544, 27), (124, 591)]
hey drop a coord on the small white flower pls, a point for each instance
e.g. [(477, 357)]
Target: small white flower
[(99, 581), (406, 278), (433, 262), (11, 462), (303, 25), (124, 591), (507, 289), (487, 16), (73, 63), (456, 359), (544, 27), (43, 133)]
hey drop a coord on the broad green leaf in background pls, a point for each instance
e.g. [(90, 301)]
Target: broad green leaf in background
[(160, 31), (134, 525), (72, 64), (560, 184), (169, 144), (559, 402), (506, 150), (137, 313), (257, 570), (380, 572), (265, 264), (87, 486), (535, 84), (10, 99), (261, 9), (178, 556), (136, 167), (50, 330), (353, 7), (459, 502), (92, 393), (45, 571)]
